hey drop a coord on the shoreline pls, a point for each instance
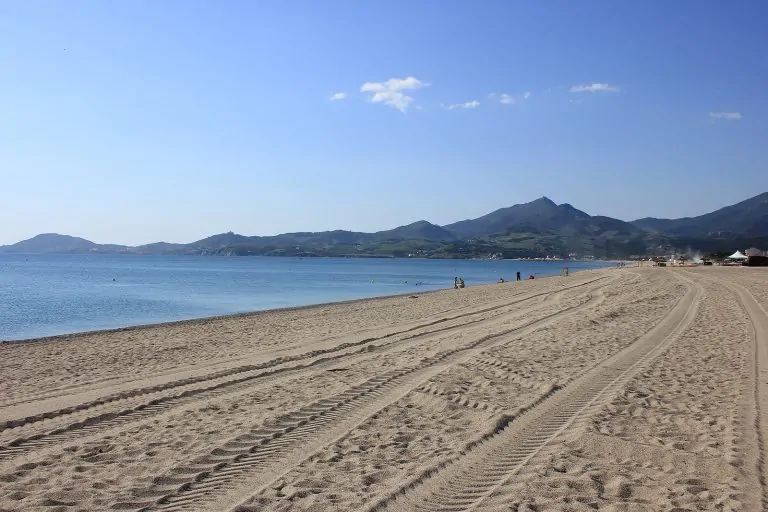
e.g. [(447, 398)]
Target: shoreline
[(341, 257), (651, 375), (250, 314)]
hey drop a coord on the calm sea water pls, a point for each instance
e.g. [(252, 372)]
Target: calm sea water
[(43, 295)]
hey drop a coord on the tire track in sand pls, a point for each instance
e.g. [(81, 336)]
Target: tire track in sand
[(238, 364), (260, 455), (466, 481), (223, 382), (757, 412)]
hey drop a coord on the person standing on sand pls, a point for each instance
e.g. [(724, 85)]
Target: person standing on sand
[(455, 283), (518, 275)]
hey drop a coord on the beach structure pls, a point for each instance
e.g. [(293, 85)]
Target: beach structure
[(757, 261), (737, 256), (756, 257)]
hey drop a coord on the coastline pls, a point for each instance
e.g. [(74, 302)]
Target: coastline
[(232, 337), (248, 314), (304, 408)]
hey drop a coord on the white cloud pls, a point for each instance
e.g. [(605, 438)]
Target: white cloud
[(730, 116), (391, 92), (509, 99), (594, 88), (338, 96), (469, 104)]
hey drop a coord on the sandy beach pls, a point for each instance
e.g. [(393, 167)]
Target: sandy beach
[(624, 389)]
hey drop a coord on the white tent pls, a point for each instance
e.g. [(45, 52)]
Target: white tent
[(737, 256)]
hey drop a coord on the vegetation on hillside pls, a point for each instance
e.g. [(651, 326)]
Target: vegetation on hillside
[(537, 229)]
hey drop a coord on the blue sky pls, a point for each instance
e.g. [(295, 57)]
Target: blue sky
[(133, 122)]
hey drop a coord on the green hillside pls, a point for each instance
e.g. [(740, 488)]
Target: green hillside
[(531, 230)]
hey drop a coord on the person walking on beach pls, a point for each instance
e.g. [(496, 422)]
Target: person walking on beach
[(455, 283), (518, 275)]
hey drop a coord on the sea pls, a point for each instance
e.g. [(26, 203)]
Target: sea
[(45, 295)]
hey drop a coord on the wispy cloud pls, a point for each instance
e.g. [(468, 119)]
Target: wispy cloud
[(391, 92), (509, 99), (594, 88), (469, 104), (338, 96), (730, 116)]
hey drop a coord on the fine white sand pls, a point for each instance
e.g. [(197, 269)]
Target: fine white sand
[(620, 389)]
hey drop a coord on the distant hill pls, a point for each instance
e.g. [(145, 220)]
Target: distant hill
[(542, 212), (221, 240), (158, 248), (420, 230), (542, 216), (536, 229), (55, 243), (747, 218)]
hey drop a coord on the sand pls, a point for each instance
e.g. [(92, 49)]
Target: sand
[(621, 389)]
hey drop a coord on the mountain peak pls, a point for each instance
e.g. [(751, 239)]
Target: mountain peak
[(542, 214), (419, 223), (421, 229), (544, 200)]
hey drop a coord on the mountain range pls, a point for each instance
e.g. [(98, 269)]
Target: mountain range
[(536, 229)]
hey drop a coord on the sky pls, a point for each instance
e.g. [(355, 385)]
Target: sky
[(139, 121)]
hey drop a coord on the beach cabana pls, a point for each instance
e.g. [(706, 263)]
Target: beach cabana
[(737, 256)]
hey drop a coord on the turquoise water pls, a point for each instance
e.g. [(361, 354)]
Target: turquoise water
[(44, 295)]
